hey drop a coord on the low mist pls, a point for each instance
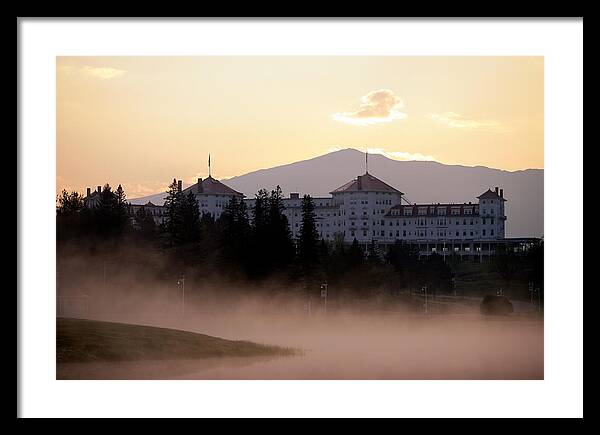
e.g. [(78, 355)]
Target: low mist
[(381, 338)]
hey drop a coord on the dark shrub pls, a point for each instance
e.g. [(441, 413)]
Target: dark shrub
[(496, 305)]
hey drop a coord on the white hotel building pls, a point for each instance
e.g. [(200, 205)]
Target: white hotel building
[(373, 212)]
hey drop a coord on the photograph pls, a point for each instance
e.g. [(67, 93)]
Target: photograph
[(300, 217), (269, 217)]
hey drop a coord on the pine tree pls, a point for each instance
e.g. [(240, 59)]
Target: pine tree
[(121, 210), (355, 255), (145, 222), (172, 202), (234, 233), (69, 203), (309, 236), (280, 236), (69, 215), (106, 213), (190, 213)]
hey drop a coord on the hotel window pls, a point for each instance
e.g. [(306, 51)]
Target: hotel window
[(492, 232), (403, 233), (483, 232)]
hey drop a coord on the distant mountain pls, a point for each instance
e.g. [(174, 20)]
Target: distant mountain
[(420, 181)]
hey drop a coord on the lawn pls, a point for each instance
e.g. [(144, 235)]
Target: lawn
[(89, 340)]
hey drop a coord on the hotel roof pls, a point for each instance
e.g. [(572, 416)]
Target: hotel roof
[(490, 194), (213, 187), (366, 183)]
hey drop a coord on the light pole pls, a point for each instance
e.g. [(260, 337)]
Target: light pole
[(324, 294), (424, 290), (181, 282)]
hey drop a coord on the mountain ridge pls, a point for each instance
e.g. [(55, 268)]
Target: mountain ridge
[(422, 182)]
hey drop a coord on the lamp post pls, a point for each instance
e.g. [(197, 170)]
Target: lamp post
[(181, 282), (424, 290), (324, 294)]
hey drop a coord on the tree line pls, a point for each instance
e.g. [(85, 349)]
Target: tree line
[(256, 244)]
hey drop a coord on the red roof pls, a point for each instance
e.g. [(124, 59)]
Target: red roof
[(490, 194), (213, 187), (366, 183)]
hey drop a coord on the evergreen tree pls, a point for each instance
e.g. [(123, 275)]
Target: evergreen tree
[(69, 203), (309, 237), (403, 258), (69, 215), (234, 233), (507, 263), (259, 263), (108, 214), (173, 220), (355, 255), (145, 222), (190, 223), (121, 209), (280, 237)]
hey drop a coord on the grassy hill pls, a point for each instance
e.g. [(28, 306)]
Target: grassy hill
[(89, 340)]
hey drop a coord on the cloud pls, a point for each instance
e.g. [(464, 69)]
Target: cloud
[(401, 155), (456, 120), (380, 106), (103, 72)]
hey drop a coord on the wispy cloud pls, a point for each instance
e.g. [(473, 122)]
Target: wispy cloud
[(456, 120), (380, 106), (103, 72), (401, 155)]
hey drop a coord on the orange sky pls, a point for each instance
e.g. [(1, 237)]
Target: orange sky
[(141, 121)]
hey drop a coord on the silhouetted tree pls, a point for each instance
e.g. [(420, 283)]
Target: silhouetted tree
[(234, 234), (109, 216), (173, 219), (403, 258), (69, 215), (355, 255), (145, 222), (507, 263), (190, 213), (279, 231), (309, 237), (69, 203)]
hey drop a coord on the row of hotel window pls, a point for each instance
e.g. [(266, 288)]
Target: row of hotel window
[(439, 211), (440, 233), (419, 222), (366, 202)]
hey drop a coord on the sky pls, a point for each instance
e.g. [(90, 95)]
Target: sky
[(142, 121)]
